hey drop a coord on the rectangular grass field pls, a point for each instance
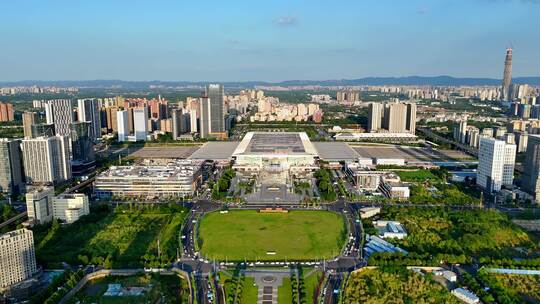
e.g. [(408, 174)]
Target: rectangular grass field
[(250, 235)]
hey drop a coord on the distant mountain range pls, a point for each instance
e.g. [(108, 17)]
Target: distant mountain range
[(408, 80)]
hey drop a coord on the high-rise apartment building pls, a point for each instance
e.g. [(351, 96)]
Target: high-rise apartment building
[(375, 116), (496, 160), (348, 96), (29, 119), (507, 76), (531, 176), (17, 257), (395, 117), (11, 170), (59, 113), (140, 123), (46, 159), (215, 92), (88, 110), (6, 112), (39, 204), (123, 128), (111, 119), (410, 124)]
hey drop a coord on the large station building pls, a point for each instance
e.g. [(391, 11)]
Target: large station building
[(283, 155)]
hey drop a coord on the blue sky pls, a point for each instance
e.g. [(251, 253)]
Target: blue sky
[(273, 40)]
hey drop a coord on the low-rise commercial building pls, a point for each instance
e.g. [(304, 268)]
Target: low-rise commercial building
[(363, 179), (390, 229), (368, 212), (392, 187), (375, 244), (70, 207), (39, 202), (465, 295), (177, 178)]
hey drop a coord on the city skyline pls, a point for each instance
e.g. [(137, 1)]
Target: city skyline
[(280, 41)]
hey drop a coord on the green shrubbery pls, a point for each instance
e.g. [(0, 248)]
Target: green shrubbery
[(324, 184)]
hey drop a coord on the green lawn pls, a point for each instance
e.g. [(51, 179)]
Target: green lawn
[(311, 281), (160, 288), (126, 238), (285, 292), (250, 291), (248, 234), (419, 175)]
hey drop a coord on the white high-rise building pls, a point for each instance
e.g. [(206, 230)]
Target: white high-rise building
[(39, 206), (88, 110), (140, 123), (193, 121), (123, 126), (46, 159), (70, 207), (496, 161), (59, 113), (17, 257)]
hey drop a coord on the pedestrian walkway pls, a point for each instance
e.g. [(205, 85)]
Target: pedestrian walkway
[(268, 282)]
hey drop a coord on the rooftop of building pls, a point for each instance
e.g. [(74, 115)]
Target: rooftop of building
[(261, 143), (13, 233), (170, 170)]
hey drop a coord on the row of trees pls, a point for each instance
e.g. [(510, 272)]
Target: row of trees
[(221, 188), (58, 288), (324, 184), (394, 285)]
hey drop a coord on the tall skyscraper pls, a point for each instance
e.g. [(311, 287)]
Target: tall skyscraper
[(140, 123), (29, 119), (507, 76), (123, 128), (205, 121), (17, 257), (82, 146), (176, 114), (496, 160), (88, 110), (531, 176), (11, 170), (39, 204), (215, 92), (59, 113), (46, 159)]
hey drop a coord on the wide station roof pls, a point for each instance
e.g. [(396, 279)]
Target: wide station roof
[(280, 143)]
